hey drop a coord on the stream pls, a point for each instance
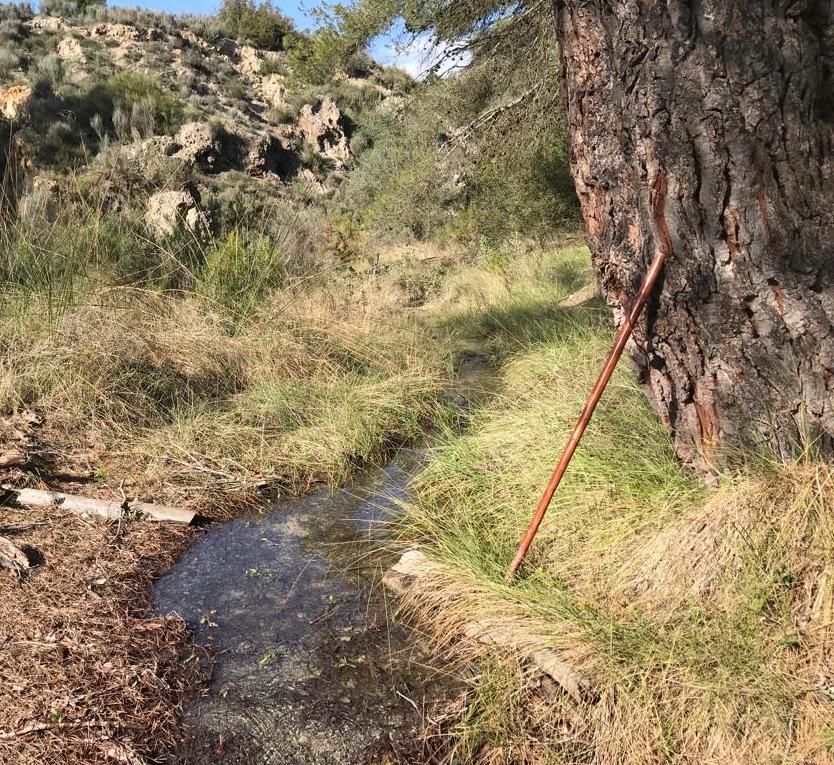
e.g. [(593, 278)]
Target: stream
[(310, 665)]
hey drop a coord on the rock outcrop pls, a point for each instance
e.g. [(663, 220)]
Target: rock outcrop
[(120, 33), (199, 145), (273, 88), (41, 25), (69, 49), (14, 103), (323, 127), (169, 211)]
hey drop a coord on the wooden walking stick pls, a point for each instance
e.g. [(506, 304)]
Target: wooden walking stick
[(588, 410)]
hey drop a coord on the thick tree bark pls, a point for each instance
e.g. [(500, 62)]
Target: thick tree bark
[(704, 127)]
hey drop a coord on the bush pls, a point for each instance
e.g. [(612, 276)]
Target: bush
[(130, 88), (507, 178), (234, 88), (354, 100), (71, 9), (15, 12), (262, 25), (272, 66), (238, 273), (313, 160), (194, 59), (51, 68), (397, 80), (282, 115), (313, 60), (9, 61), (395, 183)]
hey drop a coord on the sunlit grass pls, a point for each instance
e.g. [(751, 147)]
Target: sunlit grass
[(700, 615)]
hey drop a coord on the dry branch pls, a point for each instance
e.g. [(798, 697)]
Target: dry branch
[(110, 509), (12, 557)]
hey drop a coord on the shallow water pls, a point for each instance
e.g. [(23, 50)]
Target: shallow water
[(310, 667)]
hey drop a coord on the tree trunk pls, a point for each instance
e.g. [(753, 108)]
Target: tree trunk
[(704, 127)]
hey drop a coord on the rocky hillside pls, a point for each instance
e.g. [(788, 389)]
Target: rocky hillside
[(153, 114)]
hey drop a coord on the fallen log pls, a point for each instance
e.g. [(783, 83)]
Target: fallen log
[(110, 509), (585, 295)]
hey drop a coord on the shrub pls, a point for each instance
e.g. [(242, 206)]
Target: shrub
[(395, 184), (15, 12), (397, 80), (194, 59), (62, 146), (262, 25), (9, 61), (314, 161), (234, 88), (208, 27), (282, 115), (503, 179), (129, 88), (358, 64), (142, 118), (354, 100), (51, 68), (71, 9), (314, 60), (272, 66), (238, 273)]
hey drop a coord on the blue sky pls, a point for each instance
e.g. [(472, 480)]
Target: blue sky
[(397, 48)]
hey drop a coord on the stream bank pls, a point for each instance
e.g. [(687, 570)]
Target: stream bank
[(310, 665)]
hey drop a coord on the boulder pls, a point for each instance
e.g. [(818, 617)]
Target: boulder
[(14, 102), (249, 60), (69, 49), (311, 183), (273, 87), (266, 154), (46, 25), (322, 125), (168, 211), (120, 33), (194, 40), (199, 145), (226, 47)]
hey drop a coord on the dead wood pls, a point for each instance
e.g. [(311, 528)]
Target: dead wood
[(110, 509), (12, 557)]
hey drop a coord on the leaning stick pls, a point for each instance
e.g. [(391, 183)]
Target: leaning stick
[(590, 405), (110, 509)]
